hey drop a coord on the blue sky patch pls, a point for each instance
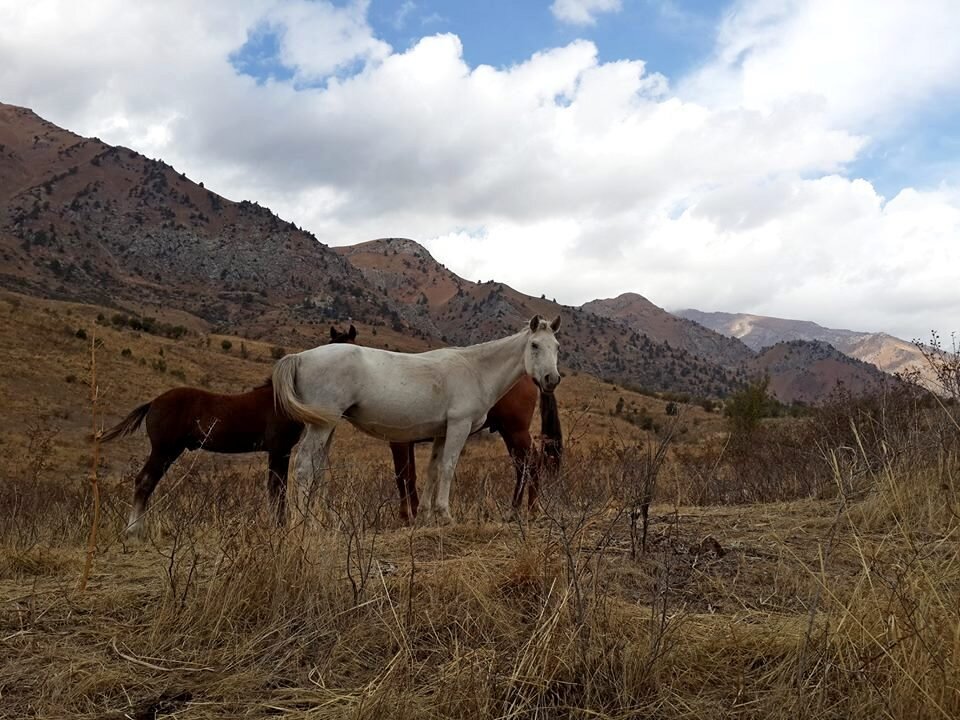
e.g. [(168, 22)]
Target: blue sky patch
[(672, 36), (259, 56)]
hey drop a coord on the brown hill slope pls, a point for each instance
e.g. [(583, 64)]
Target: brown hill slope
[(44, 367), (82, 220), (461, 312), (648, 319), (809, 371)]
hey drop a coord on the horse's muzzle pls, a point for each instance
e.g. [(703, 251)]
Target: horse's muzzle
[(549, 383)]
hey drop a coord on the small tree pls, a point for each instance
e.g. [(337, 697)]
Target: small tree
[(747, 407)]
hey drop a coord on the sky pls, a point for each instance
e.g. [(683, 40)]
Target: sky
[(796, 158)]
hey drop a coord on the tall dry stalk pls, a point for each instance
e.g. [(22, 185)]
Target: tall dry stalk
[(95, 460)]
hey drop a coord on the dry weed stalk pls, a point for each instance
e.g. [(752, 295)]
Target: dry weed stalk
[(639, 471), (94, 463)]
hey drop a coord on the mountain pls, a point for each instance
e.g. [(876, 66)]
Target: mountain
[(886, 352), (459, 312), (82, 220), (809, 370), (644, 317)]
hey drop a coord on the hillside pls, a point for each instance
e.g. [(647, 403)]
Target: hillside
[(644, 317), (460, 312), (808, 371), (886, 352), (85, 221)]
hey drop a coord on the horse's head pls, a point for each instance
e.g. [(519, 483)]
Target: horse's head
[(540, 354), (343, 337)]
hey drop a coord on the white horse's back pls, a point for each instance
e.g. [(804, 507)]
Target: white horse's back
[(399, 397)]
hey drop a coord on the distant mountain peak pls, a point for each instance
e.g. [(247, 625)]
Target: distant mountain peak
[(650, 319), (398, 246), (880, 349)]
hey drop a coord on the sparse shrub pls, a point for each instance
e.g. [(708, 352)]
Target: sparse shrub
[(81, 334), (126, 352), (277, 352), (747, 407), (71, 378), (226, 345)]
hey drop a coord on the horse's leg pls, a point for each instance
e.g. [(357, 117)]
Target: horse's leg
[(430, 490), (278, 468), (457, 434), (412, 496), (312, 461), (519, 445), (154, 468), (401, 469)]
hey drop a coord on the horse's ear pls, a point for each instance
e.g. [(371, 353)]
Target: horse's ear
[(534, 323), (353, 333), (333, 333), (555, 325)]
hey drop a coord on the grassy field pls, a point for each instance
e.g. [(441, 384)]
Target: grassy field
[(817, 577)]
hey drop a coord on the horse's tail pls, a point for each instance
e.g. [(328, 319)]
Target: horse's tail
[(126, 426), (285, 395), (550, 430)]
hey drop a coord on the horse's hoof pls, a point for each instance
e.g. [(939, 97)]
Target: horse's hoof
[(444, 518)]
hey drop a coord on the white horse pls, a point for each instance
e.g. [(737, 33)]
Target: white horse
[(442, 395)]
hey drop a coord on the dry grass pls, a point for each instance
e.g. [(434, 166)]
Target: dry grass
[(809, 609), (839, 607)]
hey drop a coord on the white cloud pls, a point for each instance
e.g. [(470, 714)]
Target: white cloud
[(319, 38), (582, 12), (561, 174), (865, 62)]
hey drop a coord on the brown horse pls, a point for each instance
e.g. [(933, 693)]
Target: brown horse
[(510, 417), (188, 418)]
